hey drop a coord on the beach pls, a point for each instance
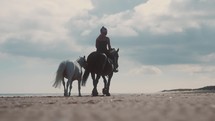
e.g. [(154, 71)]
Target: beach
[(118, 107)]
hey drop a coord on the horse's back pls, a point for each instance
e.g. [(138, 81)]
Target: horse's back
[(98, 63), (69, 65), (72, 69), (97, 56)]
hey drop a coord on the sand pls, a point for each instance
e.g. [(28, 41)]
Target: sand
[(119, 107)]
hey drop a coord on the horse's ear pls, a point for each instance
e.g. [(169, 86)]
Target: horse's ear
[(118, 50)]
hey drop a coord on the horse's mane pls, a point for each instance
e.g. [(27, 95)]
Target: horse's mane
[(112, 50)]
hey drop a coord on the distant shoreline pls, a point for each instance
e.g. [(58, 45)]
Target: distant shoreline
[(203, 89)]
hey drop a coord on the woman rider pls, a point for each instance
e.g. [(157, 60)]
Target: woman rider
[(103, 43)]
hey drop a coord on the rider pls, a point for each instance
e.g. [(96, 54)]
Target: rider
[(102, 42)]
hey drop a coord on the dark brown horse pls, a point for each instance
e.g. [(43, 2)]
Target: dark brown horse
[(100, 65)]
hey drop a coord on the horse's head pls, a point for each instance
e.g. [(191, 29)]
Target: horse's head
[(115, 56), (82, 61)]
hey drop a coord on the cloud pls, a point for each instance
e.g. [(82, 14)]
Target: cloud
[(146, 70), (108, 7), (25, 48), (209, 58), (194, 69), (38, 28), (172, 16), (168, 34), (45, 16), (151, 32), (164, 17)]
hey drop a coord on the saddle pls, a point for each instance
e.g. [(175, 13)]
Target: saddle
[(109, 60)]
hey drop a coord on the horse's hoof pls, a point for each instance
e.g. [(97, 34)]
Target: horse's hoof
[(67, 95), (103, 91), (108, 94), (95, 94)]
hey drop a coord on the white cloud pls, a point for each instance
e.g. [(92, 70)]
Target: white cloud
[(210, 58), (165, 17), (157, 17), (41, 23), (194, 68), (153, 8), (162, 17), (122, 31), (3, 55), (41, 20), (146, 70)]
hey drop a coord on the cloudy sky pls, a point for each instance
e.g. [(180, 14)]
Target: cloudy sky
[(164, 44)]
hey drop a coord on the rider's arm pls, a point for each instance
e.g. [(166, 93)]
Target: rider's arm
[(108, 43), (97, 43)]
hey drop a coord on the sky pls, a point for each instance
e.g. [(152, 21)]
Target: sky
[(164, 44)]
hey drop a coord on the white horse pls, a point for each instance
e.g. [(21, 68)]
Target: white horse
[(72, 71)]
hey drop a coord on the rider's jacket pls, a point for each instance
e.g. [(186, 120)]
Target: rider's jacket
[(102, 43)]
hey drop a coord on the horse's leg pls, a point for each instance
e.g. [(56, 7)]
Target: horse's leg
[(104, 90), (95, 82), (70, 88), (108, 84), (64, 87), (79, 87)]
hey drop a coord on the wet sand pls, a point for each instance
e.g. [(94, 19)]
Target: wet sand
[(121, 107)]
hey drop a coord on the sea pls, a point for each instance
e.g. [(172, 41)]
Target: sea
[(30, 94)]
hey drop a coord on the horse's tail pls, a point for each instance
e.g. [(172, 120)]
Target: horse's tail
[(59, 75), (85, 77)]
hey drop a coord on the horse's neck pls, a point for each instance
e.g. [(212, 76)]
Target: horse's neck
[(78, 63)]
